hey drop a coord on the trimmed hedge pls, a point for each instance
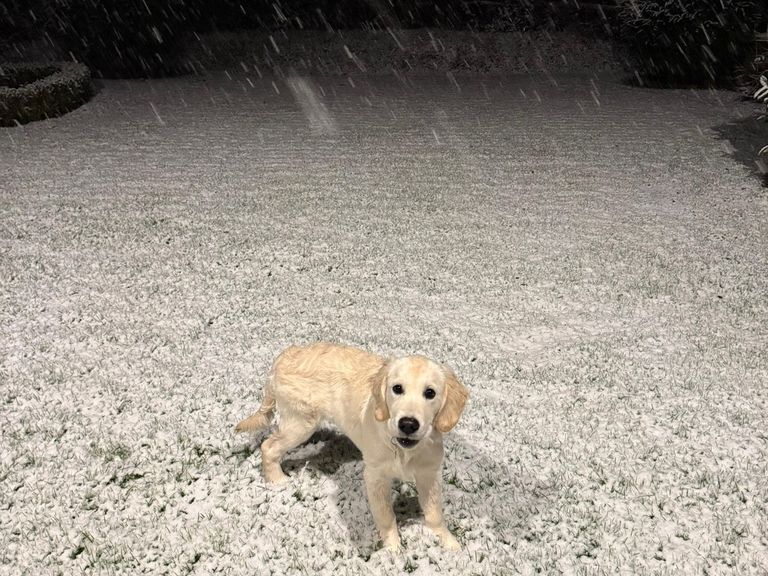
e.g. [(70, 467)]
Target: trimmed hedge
[(31, 92)]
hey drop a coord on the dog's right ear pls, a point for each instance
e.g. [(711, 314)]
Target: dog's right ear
[(378, 390)]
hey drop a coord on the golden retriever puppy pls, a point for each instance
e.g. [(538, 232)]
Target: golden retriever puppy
[(394, 410)]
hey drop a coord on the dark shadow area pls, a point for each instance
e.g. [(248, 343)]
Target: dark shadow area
[(336, 451), (745, 137), (406, 503)]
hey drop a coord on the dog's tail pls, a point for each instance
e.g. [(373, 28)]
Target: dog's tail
[(263, 416)]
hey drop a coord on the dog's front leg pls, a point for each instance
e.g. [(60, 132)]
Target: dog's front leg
[(430, 489), (379, 489)]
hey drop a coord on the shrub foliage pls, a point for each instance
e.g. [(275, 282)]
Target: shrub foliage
[(698, 42), (36, 91)]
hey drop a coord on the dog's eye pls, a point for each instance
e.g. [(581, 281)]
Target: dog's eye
[(397, 389), (429, 393)]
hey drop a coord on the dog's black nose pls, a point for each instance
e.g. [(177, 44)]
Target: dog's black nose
[(408, 425)]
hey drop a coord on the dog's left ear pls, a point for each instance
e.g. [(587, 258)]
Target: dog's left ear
[(455, 397), (378, 389)]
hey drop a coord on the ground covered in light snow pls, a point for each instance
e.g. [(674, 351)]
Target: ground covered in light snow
[(588, 257)]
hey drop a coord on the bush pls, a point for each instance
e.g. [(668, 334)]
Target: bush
[(761, 95), (747, 78), (699, 42), (36, 91)]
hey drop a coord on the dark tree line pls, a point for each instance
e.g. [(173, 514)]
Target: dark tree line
[(697, 40)]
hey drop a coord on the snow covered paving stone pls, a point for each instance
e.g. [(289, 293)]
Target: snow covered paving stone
[(583, 253)]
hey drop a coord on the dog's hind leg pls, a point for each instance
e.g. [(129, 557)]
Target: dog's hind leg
[(293, 429)]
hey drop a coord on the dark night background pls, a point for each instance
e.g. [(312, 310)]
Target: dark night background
[(701, 42)]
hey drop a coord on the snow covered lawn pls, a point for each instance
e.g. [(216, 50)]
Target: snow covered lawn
[(586, 255)]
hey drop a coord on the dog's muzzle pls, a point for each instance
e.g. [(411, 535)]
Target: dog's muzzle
[(405, 442)]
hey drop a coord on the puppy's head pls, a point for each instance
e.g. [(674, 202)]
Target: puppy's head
[(413, 395)]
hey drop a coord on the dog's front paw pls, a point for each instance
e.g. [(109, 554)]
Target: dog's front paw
[(391, 543), (449, 542), (275, 476)]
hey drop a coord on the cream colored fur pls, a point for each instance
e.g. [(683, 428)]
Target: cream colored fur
[(356, 391)]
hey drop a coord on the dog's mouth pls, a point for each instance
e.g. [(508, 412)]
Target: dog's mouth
[(407, 442)]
